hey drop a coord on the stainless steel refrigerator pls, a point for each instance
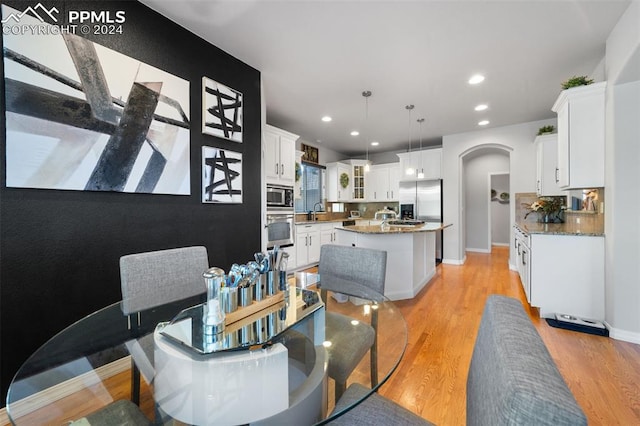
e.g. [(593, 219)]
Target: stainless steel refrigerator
[(422, 200)]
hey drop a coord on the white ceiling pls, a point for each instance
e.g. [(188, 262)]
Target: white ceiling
[(317, 56)]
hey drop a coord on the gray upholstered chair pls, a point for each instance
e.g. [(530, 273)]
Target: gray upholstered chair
[(359, 272), (374, 410), (154, 278)]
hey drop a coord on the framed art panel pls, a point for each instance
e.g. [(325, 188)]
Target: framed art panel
[(80, 116), (221, 111), (310, 154), (221, 176)]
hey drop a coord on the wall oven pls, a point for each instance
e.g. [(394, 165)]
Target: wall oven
[(280, 229), (279, 197)]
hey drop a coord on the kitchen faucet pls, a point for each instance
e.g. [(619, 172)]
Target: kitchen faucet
[(315, 211)]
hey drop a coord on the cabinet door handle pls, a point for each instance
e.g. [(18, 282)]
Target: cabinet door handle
[(310, 240), (519, 249), (281, 169), (306, 240), (557, 179), (277, 168), (524, 262)]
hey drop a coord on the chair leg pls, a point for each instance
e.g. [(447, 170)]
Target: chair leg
[(374, 349), (340, 388), (135, 383)]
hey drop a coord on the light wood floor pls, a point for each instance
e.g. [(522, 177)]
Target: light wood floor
[(443, 319)]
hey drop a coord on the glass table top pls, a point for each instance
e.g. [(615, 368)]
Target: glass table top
[(91, 359)]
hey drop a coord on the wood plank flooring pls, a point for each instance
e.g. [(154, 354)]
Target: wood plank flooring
[(443, 319)]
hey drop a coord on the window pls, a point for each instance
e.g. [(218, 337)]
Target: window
[(311, 186)]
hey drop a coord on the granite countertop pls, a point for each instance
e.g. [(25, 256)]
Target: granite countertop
[(391, 229), (590, 227), (339, 220)]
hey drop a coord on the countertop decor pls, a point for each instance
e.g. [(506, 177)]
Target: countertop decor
[(549, 209)]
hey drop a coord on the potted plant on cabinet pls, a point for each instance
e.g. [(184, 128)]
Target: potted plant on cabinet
[(576, 81), (545, 130)]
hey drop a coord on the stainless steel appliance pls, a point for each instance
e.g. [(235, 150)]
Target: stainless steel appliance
[(280, 229), (279, 197), (422, 200)]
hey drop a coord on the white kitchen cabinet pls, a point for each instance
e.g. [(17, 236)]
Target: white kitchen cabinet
[(328, 233), (546, 162), (279, 156), (564, 274), (307, 244), (429, 161), (335, 190), (383, 183), (581, 132), (360, 181)]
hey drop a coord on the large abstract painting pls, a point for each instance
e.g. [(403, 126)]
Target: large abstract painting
[(81, 116), (221, 176), (221, 110)]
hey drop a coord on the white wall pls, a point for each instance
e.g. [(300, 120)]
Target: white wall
[(500, 231), (477, 170), (517, 140), (622, 178)]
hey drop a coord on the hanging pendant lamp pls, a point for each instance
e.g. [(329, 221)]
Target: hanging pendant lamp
[(409, 170), (421, 172), (366, 95)]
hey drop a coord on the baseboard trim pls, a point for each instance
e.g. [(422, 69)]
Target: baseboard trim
[(454, 261), (62, 390), (478, 250), (624, 335)]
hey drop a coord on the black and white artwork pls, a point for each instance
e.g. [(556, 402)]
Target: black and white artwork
[(221, 110), (221, 176), (80, 116)]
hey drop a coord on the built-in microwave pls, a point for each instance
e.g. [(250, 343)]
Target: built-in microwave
[(279, 197)]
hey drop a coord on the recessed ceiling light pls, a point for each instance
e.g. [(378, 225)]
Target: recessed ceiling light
[(483, 123), (476, 79), (326, 119), (374, 143), (355, 133), (481, 107)]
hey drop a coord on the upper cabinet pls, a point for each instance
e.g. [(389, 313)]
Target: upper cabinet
[(347, 180), (339, 182), (581, 135), (547, 161), (383, 182), (428, 161), (280, 156)]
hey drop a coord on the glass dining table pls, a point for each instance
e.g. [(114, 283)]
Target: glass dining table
[(268, 367)]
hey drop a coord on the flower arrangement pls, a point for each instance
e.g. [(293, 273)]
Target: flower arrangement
[(576, 81), (548, 207)]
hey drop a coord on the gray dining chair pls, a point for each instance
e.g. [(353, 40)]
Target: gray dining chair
[(358, 272), (374, 410), (152, 279)]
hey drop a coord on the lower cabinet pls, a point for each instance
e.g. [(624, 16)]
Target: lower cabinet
[(328, 233), (566, 275), (307, 244)]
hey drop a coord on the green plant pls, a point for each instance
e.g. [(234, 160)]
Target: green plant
[(546, 129), (344, 180), (298, 171), (576, 81)]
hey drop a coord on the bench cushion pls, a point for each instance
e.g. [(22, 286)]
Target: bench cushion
[(512, 378)]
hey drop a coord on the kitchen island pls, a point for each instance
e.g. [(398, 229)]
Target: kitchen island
[(411, 253)]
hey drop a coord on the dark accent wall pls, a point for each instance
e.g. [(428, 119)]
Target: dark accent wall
[(59, 250)]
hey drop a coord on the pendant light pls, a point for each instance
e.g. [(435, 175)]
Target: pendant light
[(409, 170), (366, 95), (421, 172)]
